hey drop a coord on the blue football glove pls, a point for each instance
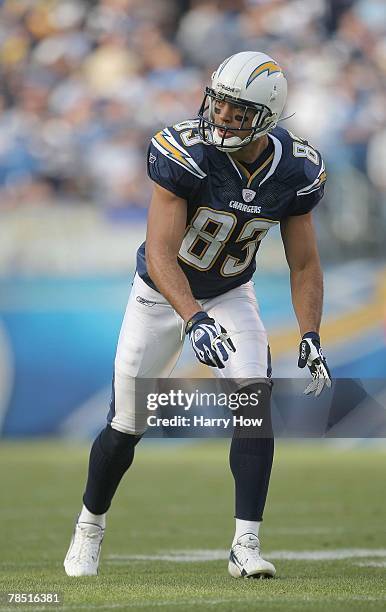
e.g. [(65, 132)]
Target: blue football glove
[(209, 340), (311, 354)]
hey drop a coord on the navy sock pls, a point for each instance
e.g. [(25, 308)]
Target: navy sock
[(251, 462), (111, 456), (251, 459)]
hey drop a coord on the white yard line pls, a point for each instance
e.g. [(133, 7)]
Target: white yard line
[(200, 555), (327, 555), (189, 556), (178, 556), (371, 564), (314, 530)]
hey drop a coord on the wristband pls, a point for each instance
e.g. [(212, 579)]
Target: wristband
[(312, 336), (196, 318)]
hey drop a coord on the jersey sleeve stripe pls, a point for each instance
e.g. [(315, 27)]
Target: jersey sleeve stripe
[(310, 190), (169, 147), (318, 182), (186, 155)]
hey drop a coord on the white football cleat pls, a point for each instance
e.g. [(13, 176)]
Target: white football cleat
[(82, 558), (245, 560)]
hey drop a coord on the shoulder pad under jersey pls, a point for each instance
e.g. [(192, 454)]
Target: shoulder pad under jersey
[(175, 158), (301, 165)]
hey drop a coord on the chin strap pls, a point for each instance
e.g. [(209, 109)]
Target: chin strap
[(237, 146)]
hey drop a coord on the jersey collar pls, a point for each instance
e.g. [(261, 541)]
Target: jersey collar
[(276, 157)]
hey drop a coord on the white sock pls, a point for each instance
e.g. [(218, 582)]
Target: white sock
[(88, 517), (246, 527)]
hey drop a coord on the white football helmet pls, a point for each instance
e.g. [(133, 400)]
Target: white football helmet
[(251, 80)]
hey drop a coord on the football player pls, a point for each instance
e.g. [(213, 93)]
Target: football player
[(221, 182)]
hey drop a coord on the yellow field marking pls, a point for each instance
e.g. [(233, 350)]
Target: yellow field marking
[(347, 326)]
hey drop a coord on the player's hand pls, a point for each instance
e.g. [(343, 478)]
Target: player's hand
[(209, 340), (310, 354)]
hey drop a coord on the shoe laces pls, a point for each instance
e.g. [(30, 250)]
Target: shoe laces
[(87, 543), (248, 546)]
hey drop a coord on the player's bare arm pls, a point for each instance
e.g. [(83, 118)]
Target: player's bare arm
[(165, 231), (306, 279), (306, 275)]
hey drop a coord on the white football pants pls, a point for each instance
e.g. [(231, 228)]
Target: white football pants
[(152, 336)]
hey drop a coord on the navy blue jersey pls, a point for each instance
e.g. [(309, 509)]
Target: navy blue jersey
[(229, 209)]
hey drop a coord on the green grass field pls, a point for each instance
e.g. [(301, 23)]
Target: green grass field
[(323, 500)]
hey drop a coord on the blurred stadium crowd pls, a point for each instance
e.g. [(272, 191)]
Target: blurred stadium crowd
[(85, 84)]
